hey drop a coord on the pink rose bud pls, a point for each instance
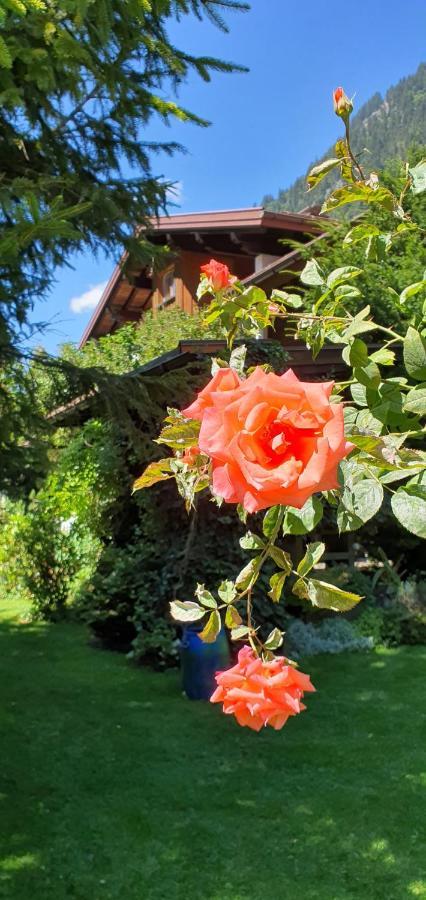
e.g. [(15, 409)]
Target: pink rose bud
[(273, 309), (342, 105)]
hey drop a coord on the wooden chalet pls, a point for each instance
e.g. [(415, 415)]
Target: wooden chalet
[(254, 243)]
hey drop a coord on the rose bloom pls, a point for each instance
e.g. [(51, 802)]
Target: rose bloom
[(272, 439), (261, 693), (218, 275)]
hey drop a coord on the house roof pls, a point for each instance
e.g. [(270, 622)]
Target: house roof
[(248, 232)]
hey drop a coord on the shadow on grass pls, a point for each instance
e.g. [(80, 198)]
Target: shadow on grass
[(114, 786)]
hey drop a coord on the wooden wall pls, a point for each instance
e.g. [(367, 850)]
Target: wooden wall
[(187, 275)]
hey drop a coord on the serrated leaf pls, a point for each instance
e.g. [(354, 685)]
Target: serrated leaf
[(359, 502), (319, 172), (418, 174), (415, 354), (313, 554), (227, 591), (251, 541), (276, 582), (240, 632), (186, 610), (301, 521), (328, 596), (246, 576), (361, 233), (409, 507), (205, 597), (341, 275), (238, 358), (312, 274), (232, 617), (368, 375), (383, 357), (156, 471), (211, 628), (180, 434), (356, 353), (411, 290), (270, 520), (281, 558), (274, 639), (415, 401)]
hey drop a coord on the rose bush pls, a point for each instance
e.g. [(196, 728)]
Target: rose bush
[(271, 439), (263, 441)]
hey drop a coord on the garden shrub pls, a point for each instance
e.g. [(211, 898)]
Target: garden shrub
[(330, 636)]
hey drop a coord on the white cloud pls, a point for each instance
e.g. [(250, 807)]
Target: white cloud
[(89, 299)]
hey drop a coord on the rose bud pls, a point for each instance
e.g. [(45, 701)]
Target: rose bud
[(342, 105), (218, 275)]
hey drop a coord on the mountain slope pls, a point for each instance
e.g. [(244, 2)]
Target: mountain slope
[(386, 127)]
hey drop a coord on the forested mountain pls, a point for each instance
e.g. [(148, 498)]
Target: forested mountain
[(386, 127)]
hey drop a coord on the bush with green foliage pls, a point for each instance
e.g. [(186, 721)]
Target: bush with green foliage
[(330, 636)]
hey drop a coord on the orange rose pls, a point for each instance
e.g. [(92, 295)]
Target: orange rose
[(223, 380), (272, 439), (218, 275), (261, 693)]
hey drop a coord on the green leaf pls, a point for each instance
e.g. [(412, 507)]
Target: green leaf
[(319, 172), (409, 507), (301, 521), (240, 632), (251, 541), (247, 575), (415, 401), (238, 358), (361, 233), (276, 582), (211, 628), (415, 354), (270, 520), (411, 290), (313, 554), (359, 325), (369, 375), (227, 591), (156, 471), (232, 617), (356, 353), (281, 558), (292, 300), (312, 274), (186, 610), (342, 275), (205, 597), (359, 502), (327, 596), (359, 394), (359, 193), (418, 174), (274, 639), (383, 357), (181, 433)]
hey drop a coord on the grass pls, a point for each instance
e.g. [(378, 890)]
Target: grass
[(114, 787)]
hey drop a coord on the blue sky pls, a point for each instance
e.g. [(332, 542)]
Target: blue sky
[(267, 125)]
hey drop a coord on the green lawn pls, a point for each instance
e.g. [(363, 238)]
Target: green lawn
[(114, 787)]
